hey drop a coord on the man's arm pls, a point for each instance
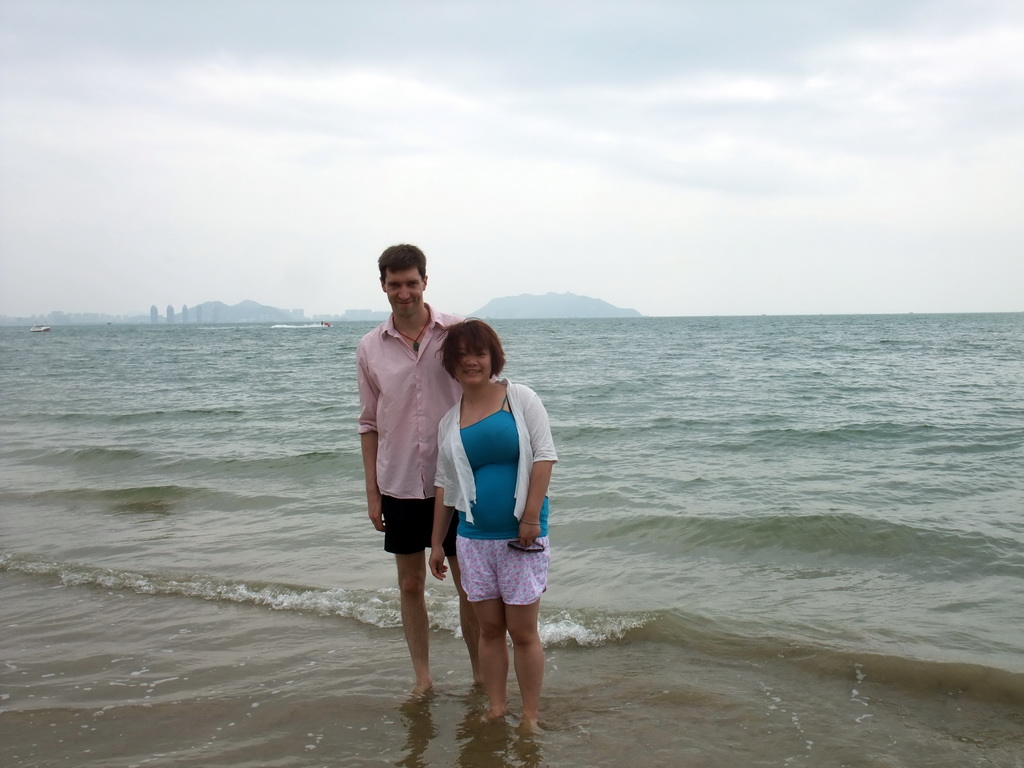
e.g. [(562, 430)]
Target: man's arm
[(368, 444), (368, 437)]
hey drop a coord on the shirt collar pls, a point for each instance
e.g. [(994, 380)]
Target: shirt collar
[(388, 327)]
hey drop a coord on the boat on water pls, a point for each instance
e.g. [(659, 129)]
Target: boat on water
[(39, 328)]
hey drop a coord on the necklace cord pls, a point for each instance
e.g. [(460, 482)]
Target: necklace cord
[(416, 341)]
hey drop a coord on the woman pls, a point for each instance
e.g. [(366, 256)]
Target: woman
[(495, 455)]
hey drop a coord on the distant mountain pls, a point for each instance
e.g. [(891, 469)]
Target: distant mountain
[(525, 306), (243, 312), (550, 305)]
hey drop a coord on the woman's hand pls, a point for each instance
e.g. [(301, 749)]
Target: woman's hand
[(529, 523), (442, 519), (527, 533)]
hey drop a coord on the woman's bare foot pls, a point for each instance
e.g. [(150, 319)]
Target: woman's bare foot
[(492, 714), (529, 725)]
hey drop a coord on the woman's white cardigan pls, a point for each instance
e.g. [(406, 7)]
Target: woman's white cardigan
[(455, 475)]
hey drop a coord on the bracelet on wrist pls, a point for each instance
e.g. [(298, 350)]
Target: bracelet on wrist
[(528, 522)]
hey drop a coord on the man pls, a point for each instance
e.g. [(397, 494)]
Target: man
[(403, 393)]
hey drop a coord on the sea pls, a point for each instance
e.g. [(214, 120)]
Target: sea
[(776, 541)]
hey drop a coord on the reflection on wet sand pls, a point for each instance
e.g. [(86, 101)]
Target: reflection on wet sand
[(420, 730), (481, 743)]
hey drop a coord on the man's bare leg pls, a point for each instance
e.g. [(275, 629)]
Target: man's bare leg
[(467, 618), (412, 577)]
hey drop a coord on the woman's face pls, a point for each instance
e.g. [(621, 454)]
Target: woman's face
[(473, 368)]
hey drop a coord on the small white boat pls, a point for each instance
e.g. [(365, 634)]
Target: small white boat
[(39, 328)]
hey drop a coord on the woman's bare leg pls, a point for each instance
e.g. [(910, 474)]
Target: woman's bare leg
[(490, 615), (467, 619), (529, 657)]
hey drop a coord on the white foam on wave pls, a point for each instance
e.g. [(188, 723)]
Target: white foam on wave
[(380, 608), (587, 629)]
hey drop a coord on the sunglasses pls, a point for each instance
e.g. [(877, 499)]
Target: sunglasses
[(535, 547)]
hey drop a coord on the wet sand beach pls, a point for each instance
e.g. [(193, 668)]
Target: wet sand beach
[(99, 678)]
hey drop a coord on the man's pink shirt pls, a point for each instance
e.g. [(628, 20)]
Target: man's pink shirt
[(403, 395)]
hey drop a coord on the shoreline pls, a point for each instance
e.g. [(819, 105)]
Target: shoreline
[(104, 677)]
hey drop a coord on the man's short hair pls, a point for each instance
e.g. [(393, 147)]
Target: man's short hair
[(474, 336), (399, 258)]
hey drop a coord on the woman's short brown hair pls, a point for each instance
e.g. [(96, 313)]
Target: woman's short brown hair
[(473, 336)]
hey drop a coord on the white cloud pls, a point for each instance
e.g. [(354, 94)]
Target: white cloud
[(638, 153)]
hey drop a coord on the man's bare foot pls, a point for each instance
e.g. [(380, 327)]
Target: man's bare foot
[(423, 687)]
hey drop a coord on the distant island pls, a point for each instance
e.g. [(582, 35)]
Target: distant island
[(524, 306), (550, 306)]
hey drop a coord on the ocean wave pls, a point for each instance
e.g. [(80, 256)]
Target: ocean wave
[(379, 608), (1007, 444), (915, 439), (277, 461), (129, 419), (149, 499), (89, 456), (295, 466), (914, 675), (175, 415), (840, 534), (560, 628), (868, 432), (156, 500)]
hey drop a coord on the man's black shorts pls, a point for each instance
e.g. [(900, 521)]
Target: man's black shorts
[(410, 524)]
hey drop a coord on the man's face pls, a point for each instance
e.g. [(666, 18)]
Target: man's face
[(405, 291)]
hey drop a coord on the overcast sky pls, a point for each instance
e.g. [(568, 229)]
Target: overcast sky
[(679, 158)]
